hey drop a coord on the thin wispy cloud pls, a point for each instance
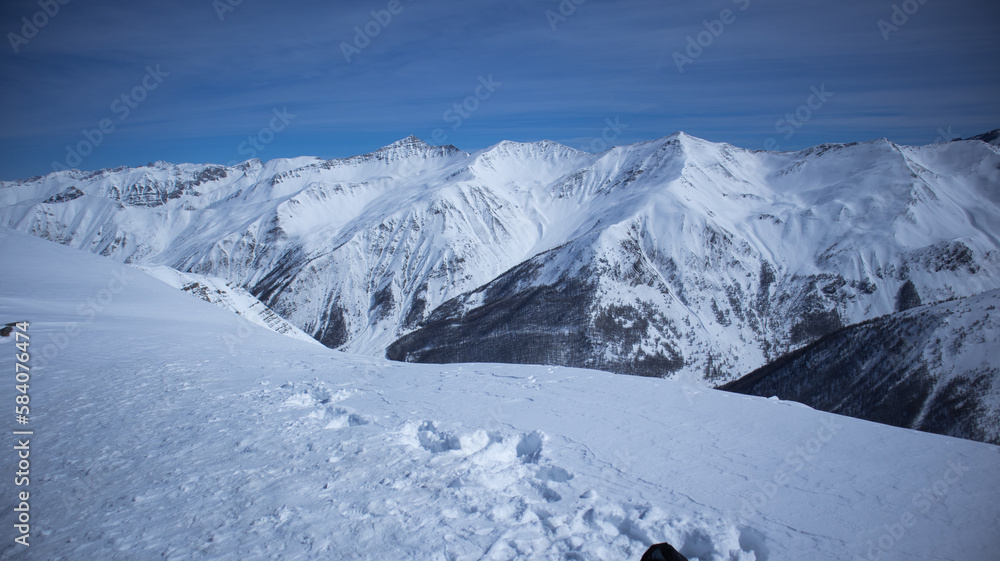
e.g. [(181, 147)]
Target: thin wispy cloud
[(356, 79)]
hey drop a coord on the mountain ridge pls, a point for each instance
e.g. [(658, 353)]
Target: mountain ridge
[(928, 368), (704, 258)]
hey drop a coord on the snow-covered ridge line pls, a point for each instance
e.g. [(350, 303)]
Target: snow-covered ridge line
[(673, 257), (413, 143), (931, 367), (223, 294)]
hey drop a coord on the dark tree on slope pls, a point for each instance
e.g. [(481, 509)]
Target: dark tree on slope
[(908, 297)]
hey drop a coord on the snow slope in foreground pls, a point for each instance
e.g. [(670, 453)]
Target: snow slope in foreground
[(228, 296), (166, 427)]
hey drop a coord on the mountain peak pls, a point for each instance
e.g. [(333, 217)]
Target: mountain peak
[(992, 137), (681, 137), (410, 147), (362, 250), (539, 146), (411, 141)]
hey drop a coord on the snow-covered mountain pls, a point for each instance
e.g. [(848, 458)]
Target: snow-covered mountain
[(675, 257), (226, 295), (992, 137), (153, 437), (933, 368)]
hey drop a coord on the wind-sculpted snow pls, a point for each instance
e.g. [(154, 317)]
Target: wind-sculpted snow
[(675, 257), (156, 436)]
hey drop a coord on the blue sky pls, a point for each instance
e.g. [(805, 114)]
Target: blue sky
[(200, 78)]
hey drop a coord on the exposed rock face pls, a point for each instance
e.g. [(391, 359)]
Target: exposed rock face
[(66, 195), (675, 257)]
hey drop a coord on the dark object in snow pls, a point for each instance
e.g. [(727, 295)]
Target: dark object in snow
[(66, 195), (908, 297), (662, 552), (5, 331)]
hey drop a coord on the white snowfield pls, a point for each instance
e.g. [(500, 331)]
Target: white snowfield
[(226, 295), (168, 428)]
